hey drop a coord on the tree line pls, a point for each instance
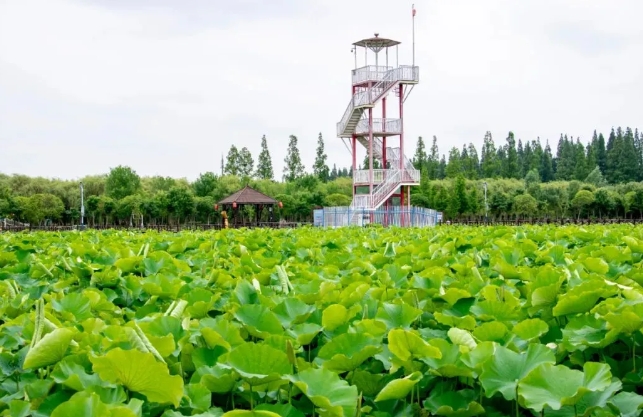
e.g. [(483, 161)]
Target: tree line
[(599, 179)]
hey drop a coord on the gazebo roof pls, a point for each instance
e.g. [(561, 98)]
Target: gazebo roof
[(248, 195)]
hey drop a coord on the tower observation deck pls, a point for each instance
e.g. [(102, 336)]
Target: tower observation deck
[(382, 87)]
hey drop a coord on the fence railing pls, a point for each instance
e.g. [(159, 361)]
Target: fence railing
[(538, 221), (159, 227), (391, 216)]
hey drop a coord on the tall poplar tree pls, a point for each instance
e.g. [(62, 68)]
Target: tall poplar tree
[(232, 162), (264, 163), (320, 169), (293, 167), (246, 162), (511, 167), (433, 160), (420, 157), (489, 159)]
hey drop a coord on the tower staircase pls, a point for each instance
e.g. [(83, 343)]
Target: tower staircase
[(401, 171)]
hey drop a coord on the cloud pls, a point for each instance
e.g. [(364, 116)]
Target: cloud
[(166, 87)]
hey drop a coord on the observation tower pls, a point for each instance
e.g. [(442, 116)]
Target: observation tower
[(379, 87)]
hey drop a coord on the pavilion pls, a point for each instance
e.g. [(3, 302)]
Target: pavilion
[(247, 196)]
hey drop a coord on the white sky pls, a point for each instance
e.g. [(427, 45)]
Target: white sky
[(166, 86)]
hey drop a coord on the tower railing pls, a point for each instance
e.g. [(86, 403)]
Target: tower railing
[(362, 176), (369, 73), (392, 126), (368, 97), (407, 73), (361, 98)]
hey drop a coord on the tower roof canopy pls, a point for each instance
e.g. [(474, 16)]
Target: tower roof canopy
[(376, 43), (248, 195)]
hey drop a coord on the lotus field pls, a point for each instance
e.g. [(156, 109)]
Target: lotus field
[(450, 321)]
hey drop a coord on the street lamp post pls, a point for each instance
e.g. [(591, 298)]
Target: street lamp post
[(82, 206), (486, 206)]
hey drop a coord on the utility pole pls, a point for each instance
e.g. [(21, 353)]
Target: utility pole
[(486, 206), (82, 206)]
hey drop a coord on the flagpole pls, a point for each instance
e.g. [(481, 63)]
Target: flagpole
[(413, 27)]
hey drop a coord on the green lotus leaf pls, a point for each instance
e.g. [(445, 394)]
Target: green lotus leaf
[(590, 403), (596, 265), (625, 321), (248, 413), (461, 338), (347, 351), (139, 372), (334, 316), (71, 372), (407, 345), (554, 386), (217, 378), (635, 245), (283, 410), (74, 305), (474, 359), (450, 364), (502, 372), (530, 329), (304, 332), (453, 295), (49, 350), (292, 311), (367, 383), (199, 396), (258, 363), (258, 320), (228, 332), (399, 388), (333, 396), (628, 404), (397, 315), (586, 331), (19, 408), (462, 403), (83, 404), (375, 328)]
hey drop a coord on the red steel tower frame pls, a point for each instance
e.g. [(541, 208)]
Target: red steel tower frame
[(390, 174)]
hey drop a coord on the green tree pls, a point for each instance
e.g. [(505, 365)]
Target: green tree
[(420, 157), (582, 201), (367, 162), (596, 178), (320, 168), (293, 167), (546, 167), (488, 160), (433, 163), (604, 201), (472, 166), (180, 203), (264, 163), (92, 204), (459, 200), (454, 167), (246, 163), (121, 182), (232, 164), (205, 185), (41, 207), (511, 167), (525, 205), (580, 168)]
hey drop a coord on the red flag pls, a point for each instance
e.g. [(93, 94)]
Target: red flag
[(413, 10)]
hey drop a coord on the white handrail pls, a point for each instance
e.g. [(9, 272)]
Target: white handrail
[(393, 126), (371, 95)]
